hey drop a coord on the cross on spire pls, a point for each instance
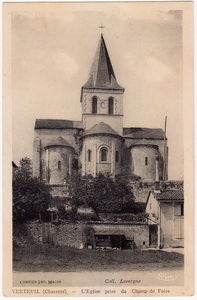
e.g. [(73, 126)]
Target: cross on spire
[(101, 27)]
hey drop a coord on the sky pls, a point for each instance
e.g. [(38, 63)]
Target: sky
[(53, 46)]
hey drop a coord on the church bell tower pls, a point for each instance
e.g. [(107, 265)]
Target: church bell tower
[(101, 95)]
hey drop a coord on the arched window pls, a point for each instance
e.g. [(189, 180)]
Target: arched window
[(117, 156), (110, 106), (89, 155), (103, 154), (59, 165), (94, 105), (146, 161)]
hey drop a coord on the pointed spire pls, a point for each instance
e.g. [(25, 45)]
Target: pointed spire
[(102, 73)]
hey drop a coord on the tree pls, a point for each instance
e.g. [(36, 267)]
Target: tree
[(25, 169), (79, 189), (104, 197), (101, 193), (30, 196), (124, 194), (112, 195)]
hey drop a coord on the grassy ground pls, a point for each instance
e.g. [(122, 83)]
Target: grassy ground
[(44, 258)]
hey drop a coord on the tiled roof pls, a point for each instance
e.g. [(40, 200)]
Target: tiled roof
[(143, 133), (58, 142), (100, 128), (169, 195), (102, 73), (57, 124)]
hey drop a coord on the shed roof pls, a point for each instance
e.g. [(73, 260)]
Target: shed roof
[(143, 133), (169, 195), (57, 124)]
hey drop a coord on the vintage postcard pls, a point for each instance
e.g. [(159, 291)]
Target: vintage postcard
[(98, 149)]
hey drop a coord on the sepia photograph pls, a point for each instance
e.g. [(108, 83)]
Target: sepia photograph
[(98, 140)]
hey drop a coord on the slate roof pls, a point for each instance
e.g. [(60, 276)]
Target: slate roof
[(143, 133), (57, 124), (102, 73), (169, 195), (131, 132), (58, 142), (100, 128)]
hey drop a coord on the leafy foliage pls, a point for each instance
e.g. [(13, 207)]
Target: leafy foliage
[(30, 196), (101, 193)]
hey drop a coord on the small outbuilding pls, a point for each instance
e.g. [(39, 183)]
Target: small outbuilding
[(165, 213), (116, 235)]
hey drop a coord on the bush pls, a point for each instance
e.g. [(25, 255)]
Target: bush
[(30, 196)]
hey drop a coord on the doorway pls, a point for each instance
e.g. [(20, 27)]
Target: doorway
[(153, 235)]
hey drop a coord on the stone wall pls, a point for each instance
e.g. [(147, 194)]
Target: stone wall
[(68, 235), (27, 233), (71, 234), (141, 194), (35, 230), (61, 235), (59, 191)]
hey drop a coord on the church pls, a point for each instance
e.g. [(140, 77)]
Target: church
[(99, 143)]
